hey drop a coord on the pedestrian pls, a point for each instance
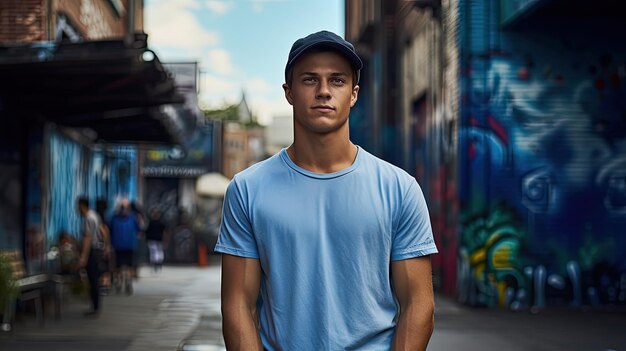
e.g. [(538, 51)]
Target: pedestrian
[(324, 246), (125, 229), (93, 252), (105, 277), (156, 237), (139, 250)]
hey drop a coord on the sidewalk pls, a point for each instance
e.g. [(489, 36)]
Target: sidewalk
[(460, 327), (179, 310), (164, 309)]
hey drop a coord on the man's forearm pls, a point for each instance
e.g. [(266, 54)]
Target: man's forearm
[(86, 247), (415, 326), (240, 331)]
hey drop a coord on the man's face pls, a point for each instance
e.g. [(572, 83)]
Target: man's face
[(321, 92)]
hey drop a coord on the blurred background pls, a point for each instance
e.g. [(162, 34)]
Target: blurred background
[(511, 114)]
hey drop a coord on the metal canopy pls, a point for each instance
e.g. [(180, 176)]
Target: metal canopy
[(106, 86)]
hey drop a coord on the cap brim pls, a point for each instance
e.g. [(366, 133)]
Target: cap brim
[(354, 59)]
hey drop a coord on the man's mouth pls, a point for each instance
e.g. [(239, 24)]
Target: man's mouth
[(324, 108)]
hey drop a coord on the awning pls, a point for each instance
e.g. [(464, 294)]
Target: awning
[(120, 91), (212, 185)]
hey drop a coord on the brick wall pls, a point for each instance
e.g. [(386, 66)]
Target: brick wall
[(22, 21)]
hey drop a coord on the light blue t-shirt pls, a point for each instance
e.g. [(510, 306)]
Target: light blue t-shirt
[(325, 243)]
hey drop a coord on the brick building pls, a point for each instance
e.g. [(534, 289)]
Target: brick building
[(79, 92)]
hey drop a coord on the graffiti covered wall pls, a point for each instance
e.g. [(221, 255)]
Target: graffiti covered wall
[(75, 170), (542, 162)]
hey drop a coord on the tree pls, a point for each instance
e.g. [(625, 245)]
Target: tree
[(233, 113)]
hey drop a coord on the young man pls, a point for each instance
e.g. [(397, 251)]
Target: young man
[(325, 247), (94, 250)]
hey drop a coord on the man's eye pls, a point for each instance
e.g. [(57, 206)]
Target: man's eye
[(338, 81), (309, 79)]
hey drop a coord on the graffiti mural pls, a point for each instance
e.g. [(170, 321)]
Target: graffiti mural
[(78, 170), (489, 259), (542, 171), (66, 181)]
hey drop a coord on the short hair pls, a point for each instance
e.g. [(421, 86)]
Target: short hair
[(83, 201)]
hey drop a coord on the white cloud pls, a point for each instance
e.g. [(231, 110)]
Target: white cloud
[(172, 25), (257, 6), (258, 86), (219, 7), (219, 61), (216, 91), (266, 108)]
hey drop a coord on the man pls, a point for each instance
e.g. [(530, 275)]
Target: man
[(325, 247), (93, 252), (156, 233), (125, 228)]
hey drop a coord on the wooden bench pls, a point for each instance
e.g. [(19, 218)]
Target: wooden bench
[(30, 287)]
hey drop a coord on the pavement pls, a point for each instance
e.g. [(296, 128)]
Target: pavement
[(164, 310), (178, 310)]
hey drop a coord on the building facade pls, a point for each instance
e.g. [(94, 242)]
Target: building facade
[(508, 114), (76, 98), (243, 138), (168, 174)]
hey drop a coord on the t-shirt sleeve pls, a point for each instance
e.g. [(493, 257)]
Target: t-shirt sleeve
[(413, 236), (91, 225), (236, 236)]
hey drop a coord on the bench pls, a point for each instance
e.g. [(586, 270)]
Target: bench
[(30, 287)]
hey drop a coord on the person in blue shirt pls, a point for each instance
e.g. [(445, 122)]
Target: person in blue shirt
[(325, 246), (125, 229)]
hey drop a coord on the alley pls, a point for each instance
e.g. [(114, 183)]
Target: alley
[(178, 309), (164, 309)]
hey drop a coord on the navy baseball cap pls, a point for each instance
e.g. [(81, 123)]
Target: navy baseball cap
[(324, 39)]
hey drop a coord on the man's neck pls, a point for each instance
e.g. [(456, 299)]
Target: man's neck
[(323, 155)]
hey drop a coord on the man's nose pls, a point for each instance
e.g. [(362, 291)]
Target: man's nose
[(323, 91)]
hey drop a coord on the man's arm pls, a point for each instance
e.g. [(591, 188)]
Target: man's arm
[(166, 238), (412, 281), (106, 239), (84, 253), (241, 281)]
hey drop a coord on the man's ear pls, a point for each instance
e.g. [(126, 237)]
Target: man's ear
[(288, 96), (355, 95)]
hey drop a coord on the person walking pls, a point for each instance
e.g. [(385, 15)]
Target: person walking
[(140, 248), (325, 246), (94, 249), (125, 228), (105, 276), (156, 237)]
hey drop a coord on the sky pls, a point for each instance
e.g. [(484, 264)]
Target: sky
[(240, 45)]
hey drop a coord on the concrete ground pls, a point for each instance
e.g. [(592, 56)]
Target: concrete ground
[(178, 309)]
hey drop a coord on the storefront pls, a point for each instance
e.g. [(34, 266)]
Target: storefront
[(74, 118), (168, 174)]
